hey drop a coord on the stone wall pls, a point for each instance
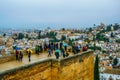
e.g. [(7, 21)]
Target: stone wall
[(7, 58), (77, 67)]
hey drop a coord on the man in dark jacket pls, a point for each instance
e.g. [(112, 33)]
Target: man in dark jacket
[(20, 55), (29, 55), (57, 55)]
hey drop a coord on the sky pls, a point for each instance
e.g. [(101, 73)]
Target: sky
[(82, 13)]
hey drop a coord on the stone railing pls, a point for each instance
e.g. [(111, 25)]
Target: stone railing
[(76, 67)]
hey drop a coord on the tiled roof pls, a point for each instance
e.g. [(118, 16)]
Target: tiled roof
[(112, 71)]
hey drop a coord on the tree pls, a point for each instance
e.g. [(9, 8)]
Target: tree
[(87, 40), (20, 36), (112, 35), (110, 57), (115, 61), (96, 69), (26, 36), (118, 40), (90, 29), (63, 29), (101, 37), (39, 35), (70, 42), (98, 48), (116, 26), (108, 28), (63, 38), (4, 35)]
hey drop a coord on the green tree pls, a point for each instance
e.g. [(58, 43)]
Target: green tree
[(101, 37), (63, 38), (70, 42), (90, 29), (63, 29), (115, 61), (39, 35), (98, 48), (87, 40), (51, 34), (26, 36), (116, 26), (55, 39), (118, 40), (20, 36), (96, 69), (112, 35), (110, 57), (108, 28), (4, 35)]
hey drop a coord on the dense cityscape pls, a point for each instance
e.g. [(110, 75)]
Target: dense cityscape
[(103, 39)]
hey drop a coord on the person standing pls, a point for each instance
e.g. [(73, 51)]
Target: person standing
[(63, 52), (61, 45), (37, 49), (17, 53), (20, 55), (52, 48), (57, 55), (29, 55), (84, 48), (49, 52), (67, 54), (65, 47), (56, 45)]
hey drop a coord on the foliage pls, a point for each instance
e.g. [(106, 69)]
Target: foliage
[(118, 40), (63, 38), (115, 61), (20, 36), (108, 28), (14, 47), (48, 35), (63, 29), (116, 26), (70, 42), (94, 47), (98, 48), (39, 35), (26, 36), (96, 69), (103, 51), (4, 35), (112, 35), (110, 57), (87, 40), (90, 29), (101, 37)]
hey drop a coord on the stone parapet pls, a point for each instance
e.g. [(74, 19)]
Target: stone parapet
[(76, 67), (7, 58)]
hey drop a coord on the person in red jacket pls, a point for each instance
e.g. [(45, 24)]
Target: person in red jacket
[(17, 53), (84, 48)]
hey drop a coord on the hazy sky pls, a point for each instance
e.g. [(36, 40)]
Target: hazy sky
[(83, 12)]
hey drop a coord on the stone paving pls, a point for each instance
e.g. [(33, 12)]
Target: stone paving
[(34, 58)]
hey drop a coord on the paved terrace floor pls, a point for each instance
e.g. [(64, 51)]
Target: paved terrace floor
[(34, 58)]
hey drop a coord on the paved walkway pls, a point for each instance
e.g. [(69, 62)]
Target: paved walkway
[(34, 58)]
